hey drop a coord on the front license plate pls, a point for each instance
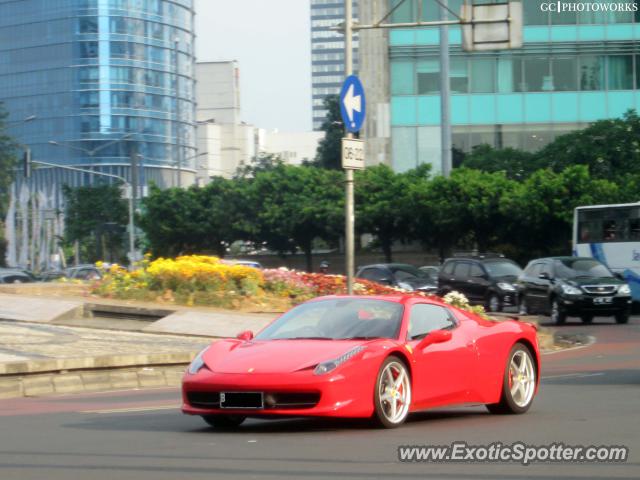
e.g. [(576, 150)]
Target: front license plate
[(249, 400), (602, 300)]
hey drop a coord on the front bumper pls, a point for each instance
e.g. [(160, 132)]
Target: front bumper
[(585, 304), (336, 396)]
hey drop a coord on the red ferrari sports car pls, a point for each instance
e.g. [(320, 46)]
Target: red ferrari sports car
[(355, 356)]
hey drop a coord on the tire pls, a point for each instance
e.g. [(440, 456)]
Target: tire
[(517, 395), (493, 303), (622, 317), (558, 316), (386, 413), (224, 422), (523, 306), (586, 318)]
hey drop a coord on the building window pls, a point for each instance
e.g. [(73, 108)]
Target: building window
[(483, 75), (533, 14), (620, 72), (565, 73), (591, 72), (537, 75), (402, 77), (428, 76), (459, 75)]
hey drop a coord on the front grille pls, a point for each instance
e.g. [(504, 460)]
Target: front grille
[(272, 400), (600, 289), (204, 399), (291, 400)]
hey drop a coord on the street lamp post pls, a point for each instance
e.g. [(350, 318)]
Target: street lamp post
[(349, 207), (118, 177)]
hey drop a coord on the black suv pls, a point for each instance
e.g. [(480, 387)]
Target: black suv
[(573, 286), (487, 280), (398, 275)]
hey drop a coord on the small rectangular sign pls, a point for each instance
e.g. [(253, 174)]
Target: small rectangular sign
[(352, 154)]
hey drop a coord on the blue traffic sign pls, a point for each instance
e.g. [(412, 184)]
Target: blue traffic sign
[(352, 103)]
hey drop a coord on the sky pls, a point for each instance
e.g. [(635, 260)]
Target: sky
[(270, 39)]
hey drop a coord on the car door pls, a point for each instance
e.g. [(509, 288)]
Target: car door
[(477, 283), (539, 288), (442, 371), (461, 278), (526, 284), (378, 275)]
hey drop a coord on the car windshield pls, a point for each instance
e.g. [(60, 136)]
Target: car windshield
[(581, 267), (502, 268), (408, 272), (337, 319)]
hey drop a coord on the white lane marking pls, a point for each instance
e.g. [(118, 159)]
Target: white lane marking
[(573, 375), (134, 409)]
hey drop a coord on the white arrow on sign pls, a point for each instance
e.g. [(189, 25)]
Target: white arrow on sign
[(352, 103)]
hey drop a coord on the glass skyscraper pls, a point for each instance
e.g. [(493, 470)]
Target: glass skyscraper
[(574, 68), (107, 80), (327, 53)]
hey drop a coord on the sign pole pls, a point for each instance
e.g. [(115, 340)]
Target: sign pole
[(349, 201)]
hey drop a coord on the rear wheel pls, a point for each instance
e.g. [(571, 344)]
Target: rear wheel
[(558, 316), (518, 384), (224, 422), (392, 397), (622, 317)]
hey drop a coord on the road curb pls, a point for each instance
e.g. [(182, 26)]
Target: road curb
[(86, 381)]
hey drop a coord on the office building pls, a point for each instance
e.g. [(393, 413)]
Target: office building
[(573, 69), (327, 53)]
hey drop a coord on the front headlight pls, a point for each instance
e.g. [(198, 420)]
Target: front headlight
[(507, 287), (569, 290), (197, 363), (624, 290), (330, 365)]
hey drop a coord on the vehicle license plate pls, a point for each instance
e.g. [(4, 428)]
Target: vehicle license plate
[(602, 300), (241, 400)]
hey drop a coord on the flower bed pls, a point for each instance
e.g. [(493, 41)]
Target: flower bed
[(205, 280)]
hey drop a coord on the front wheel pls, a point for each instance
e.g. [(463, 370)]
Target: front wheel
[(518, 383), (392, 397), (558, 316), (494, 304), (224, 422), (622, 317)]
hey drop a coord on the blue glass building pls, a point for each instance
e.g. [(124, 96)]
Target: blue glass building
[(107, 80), (574, 68)]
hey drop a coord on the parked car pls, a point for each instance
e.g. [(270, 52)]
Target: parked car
[(399, 275), (245, 263), (83, 272), (485, 280), (573, 286), (432, 271), (9, 275)]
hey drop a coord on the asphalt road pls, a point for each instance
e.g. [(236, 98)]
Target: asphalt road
[(589, 395)]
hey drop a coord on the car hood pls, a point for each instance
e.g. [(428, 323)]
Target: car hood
[(579, 282), (273, 356), (506, 278), (421, 284)]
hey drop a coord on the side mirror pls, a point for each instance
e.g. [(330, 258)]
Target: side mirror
[(437, 336), (620, 276), (246, 335)]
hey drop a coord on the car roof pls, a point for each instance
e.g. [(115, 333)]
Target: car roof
[(397, 298), (566, 257), (386, 265)]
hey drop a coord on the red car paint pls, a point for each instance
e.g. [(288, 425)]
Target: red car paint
[(467, 368)]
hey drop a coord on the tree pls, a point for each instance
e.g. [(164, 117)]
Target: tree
[(96, 217), (329, 153), (8, 161), (609, 148), (540, 210), (516, 164), (382, 198), (296, 205)]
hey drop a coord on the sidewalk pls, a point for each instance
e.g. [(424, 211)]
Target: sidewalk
[(46, 347)]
